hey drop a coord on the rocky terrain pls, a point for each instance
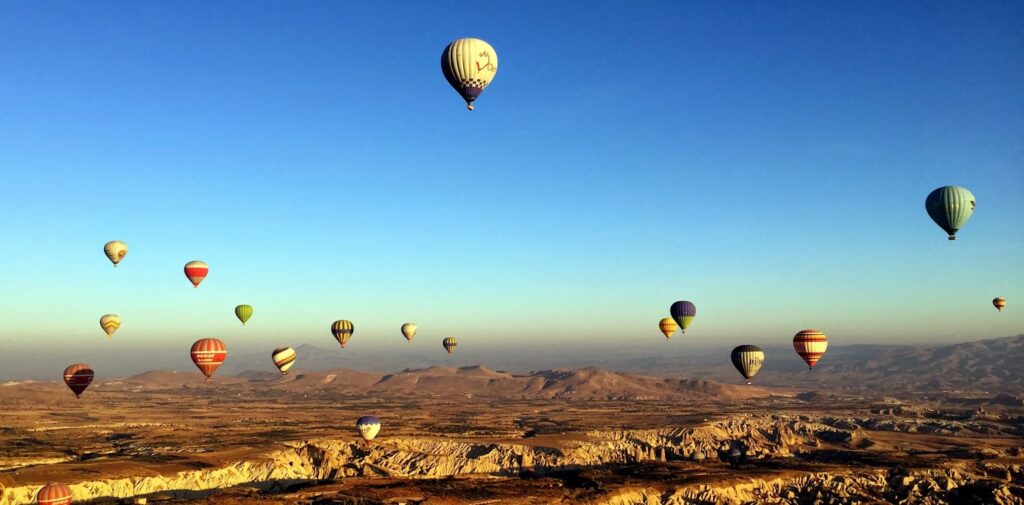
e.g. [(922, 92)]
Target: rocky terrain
[(473, 435)]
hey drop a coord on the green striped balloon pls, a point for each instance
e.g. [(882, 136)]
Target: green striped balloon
[(950, 207), (243, 312)]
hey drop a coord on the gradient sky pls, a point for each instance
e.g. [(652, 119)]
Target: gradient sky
[(767, 160)]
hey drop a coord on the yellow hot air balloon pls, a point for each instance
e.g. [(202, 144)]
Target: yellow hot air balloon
[(668, 327), (110, 323), (469, 66), (449, 344), (409, 331), (115, 251)]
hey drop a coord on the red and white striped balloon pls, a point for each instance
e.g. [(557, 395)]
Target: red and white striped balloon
[(196, 271), (208, 354), (54, 494), (810, 345)]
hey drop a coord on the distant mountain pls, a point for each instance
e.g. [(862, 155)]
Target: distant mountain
[(994, 365), (584, 384)]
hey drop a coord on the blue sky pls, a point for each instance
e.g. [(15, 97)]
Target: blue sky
[(768, 161)]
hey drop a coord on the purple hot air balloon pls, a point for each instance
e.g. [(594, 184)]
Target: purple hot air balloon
[(683, 312)]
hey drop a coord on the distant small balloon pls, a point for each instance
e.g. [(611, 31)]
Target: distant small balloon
[(748, 360), (683, 312), (196, 271), (449, 344), (208, 354), (284, 358), (668, 326), (342, 330), (999, 303), (368, 427), (243, 313), (810, 345), (409, 331), (54, 494), (110, 323), (78, 377), (115, 251)]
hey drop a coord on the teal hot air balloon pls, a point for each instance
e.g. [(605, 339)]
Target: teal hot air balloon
[(950, 207)]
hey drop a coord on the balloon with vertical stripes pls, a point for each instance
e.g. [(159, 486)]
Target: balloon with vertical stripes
[(449, 344), (342, 330), (54, 494), (950, 207), (748, 360), (208, 354)]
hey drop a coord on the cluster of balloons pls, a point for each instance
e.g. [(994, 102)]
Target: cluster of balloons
[(949, 206)]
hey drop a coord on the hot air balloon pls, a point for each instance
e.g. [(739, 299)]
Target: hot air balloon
[(110, 323), (342, 330), (748, 360), (54, 494), (810, 345), (683, 312), (243, 313), (668, 327), (78, 377), (950, 207), (409, 331), (115, 251), (999, 303), (469, 66), (208, 354), (196, 271), (284, 358), (368, 427), (449, 344)]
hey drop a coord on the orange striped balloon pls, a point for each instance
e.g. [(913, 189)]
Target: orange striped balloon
[(78, 377), (668, 327), (208, 354), (810, 345), (196, 271), (54, 494), (999, 303)]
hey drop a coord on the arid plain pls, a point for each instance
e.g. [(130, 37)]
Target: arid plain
[(474, 435)]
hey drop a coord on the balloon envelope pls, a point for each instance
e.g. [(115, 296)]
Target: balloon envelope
[(110, 323), (208, 354), (999, 303), (54, 494), (409, 331), (115, 251), (196, 271), (284, 358), (810, 345), (243, 313), (449, 344), (78, 377), (748, 360), (668, 326), (683, 312), (368, 427), (469, 65), (342, 330), (950, 207)]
